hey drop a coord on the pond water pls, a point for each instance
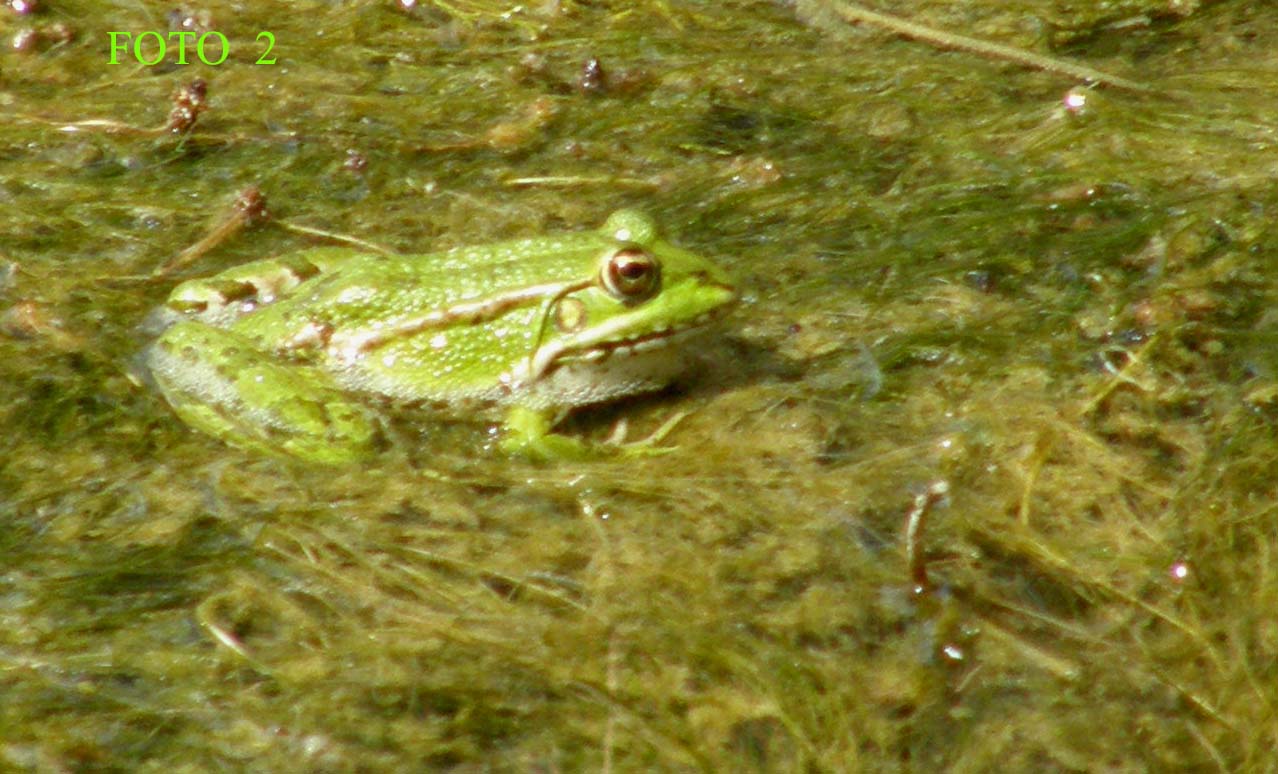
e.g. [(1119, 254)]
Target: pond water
[(1052, 297)]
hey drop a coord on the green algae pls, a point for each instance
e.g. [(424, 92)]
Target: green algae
[(1056, 299)]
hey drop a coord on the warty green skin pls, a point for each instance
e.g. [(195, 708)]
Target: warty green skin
[(268, 355)]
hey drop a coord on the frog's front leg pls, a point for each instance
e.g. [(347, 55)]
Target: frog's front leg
[(530, 432), (219, 382)]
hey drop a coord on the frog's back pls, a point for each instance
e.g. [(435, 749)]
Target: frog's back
[(443, 327)]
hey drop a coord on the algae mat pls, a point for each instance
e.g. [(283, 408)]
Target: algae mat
[(1049, 289)]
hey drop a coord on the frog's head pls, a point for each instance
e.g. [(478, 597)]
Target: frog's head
[(640, 293)]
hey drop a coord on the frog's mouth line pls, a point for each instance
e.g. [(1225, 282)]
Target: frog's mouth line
[(646, 342), (598, 347)]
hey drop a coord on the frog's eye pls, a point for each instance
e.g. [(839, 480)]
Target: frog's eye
[(631, 274)]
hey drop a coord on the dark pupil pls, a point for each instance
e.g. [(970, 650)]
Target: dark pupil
[(633, 270)]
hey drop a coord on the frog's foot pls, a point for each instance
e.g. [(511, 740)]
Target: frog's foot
[(529, 434), (218, 383)]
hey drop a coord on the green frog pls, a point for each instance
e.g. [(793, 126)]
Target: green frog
[(273, 355)]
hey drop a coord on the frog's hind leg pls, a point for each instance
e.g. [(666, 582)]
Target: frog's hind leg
[(217, 381)]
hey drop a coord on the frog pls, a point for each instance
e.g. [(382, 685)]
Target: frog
[(301, 355)]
